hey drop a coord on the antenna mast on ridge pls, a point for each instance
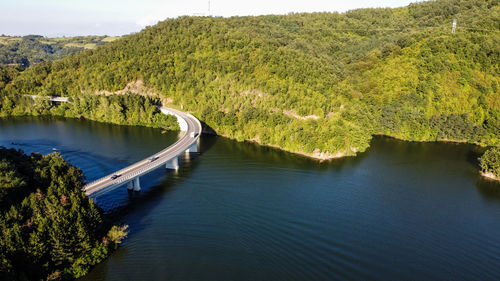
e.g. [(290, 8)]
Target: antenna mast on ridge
[(208, 7)]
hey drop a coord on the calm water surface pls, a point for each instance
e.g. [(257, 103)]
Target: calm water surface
[(237, 211)]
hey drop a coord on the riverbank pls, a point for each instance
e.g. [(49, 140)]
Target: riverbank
[(317, 155), (490, 176), (351, 152)]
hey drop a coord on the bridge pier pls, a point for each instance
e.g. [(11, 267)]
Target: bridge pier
[(137, 184), (173, 164), (193, 148), (134, 185)]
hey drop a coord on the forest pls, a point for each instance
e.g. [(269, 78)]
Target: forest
[(490, 163), (319, 84), (126, 109), (49, 229), (31, 49)]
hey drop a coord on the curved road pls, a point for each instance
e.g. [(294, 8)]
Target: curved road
[(187, 141)]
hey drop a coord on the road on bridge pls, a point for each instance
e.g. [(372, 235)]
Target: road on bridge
[(189, 138)]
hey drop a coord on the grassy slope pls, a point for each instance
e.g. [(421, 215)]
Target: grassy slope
[(320, 84)]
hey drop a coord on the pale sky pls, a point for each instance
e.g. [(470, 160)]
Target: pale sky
[(119, 17)]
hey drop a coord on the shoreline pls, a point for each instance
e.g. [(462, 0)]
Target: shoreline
[(317, 156), (327, 156), (490, 176), (81, 117), (436, 140)]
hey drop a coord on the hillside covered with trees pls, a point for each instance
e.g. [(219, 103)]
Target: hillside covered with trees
[(320, 84), (31, 49), (49, 229)]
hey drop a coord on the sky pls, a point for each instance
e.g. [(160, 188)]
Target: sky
[(55, 18)]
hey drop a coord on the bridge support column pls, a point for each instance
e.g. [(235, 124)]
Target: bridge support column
[(193, 148), (137, 184), (134, 184), (173, 164)]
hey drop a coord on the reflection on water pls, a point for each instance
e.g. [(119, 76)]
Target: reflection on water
[(238, 211), (489, 189)]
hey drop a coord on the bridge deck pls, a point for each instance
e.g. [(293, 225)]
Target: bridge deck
[(188, 123)]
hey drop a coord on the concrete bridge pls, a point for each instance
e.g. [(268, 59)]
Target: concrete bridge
[(168, 158)]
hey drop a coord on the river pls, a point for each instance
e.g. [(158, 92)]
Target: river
[(239, 211)]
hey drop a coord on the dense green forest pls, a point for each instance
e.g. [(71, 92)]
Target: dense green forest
[(49, 229), (31, 49), (321, 84), (126, 109), (490, 163)]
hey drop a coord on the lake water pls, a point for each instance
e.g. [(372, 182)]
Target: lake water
[(238, 211)]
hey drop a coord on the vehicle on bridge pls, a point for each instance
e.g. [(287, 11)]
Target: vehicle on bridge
[(193, 134), (115, 176), (151, 159)]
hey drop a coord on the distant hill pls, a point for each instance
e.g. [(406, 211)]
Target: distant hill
[(320, 84), (28, 50)]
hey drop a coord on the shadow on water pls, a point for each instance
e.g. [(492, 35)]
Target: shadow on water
[(207, 130), (275, 156), (474, 153), (430, 150), (489, 189), (207, 142), (438, 151)]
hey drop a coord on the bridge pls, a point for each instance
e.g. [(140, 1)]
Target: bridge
[(168, 157)]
